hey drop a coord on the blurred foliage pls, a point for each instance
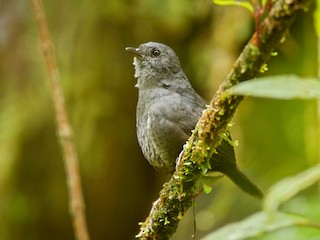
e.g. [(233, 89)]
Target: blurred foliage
[(296, 220), (279, 87), (277, 138)]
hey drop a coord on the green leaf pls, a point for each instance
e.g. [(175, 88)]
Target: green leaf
[(208, 179), (246, 5), (258, 224), (279, 87), (289, 187), (206, 188)]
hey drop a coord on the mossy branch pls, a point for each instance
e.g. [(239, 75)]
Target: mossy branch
[(177, 194)]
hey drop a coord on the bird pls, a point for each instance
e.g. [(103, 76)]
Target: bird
[(168, 109)]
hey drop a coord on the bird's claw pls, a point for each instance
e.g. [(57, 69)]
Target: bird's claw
[(154, 205), (178, 162)]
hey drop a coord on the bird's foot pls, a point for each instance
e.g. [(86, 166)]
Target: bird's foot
[(154, 205), (178, 162)]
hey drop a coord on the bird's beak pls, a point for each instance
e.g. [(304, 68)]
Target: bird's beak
[(135, 51)]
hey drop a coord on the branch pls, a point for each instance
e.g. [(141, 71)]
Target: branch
[(65, 135), (177, 194)]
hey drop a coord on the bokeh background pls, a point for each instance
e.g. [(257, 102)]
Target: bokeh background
[(276, 138)]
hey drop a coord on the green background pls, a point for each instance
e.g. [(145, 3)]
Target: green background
[(276, 138)]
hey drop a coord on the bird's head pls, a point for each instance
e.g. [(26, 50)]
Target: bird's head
[(154, 61)]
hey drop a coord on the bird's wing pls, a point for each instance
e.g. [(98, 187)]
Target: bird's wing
[(169, 126)]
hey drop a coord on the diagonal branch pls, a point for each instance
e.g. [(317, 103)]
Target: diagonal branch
[(177, 194), (70, 157)]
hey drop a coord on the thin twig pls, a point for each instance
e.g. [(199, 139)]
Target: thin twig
[(177, 195), (76, 203)]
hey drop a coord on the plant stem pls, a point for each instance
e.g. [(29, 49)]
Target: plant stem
[(76, 203)]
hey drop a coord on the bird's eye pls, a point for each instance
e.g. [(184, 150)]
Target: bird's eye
[(155, 52)]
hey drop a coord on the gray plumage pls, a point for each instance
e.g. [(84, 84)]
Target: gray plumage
[(168, 109)]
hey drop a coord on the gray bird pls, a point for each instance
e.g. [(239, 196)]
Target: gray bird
[(168, 109)]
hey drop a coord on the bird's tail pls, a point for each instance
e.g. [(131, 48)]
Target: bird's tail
[(243, 182)]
